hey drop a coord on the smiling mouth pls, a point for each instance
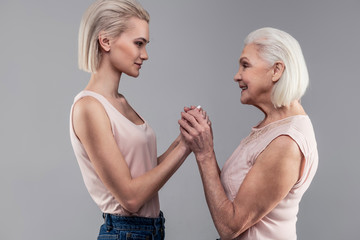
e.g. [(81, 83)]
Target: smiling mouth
[(243, 87)]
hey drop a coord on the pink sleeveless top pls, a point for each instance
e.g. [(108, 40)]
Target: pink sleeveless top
[(280, 223), (137, 143)]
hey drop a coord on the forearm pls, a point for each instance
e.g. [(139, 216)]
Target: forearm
[(143, 188), (223, 211), (169, 150)]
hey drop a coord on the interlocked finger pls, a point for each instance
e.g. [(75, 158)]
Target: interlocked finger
[(208, 120), (199, 115), (190, 118), (190, 124)]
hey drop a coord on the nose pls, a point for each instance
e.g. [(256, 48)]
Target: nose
[(144, 55), (237, 76)]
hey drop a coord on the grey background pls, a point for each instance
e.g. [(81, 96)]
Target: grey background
[(193, 52)]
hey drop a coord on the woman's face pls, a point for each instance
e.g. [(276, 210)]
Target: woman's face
[(254, 77), (128, 51)]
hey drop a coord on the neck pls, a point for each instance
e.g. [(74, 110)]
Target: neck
[(273, 114), (105, 81)]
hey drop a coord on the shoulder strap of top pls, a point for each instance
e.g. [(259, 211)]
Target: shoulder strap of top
[(104, 102), (86, 93)]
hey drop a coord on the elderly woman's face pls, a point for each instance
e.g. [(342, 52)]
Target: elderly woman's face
[(254, 77)]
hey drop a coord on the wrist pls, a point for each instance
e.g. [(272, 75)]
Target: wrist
[(184, 148), (205, 156), (177, 141)]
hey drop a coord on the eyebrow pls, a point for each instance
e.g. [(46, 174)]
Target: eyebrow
[(143, 39), (243, 58)]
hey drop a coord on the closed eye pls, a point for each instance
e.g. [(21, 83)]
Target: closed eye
[(244, 63)]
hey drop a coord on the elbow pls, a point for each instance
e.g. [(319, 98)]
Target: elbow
[(232, 231), (129, 199), (227, 235), (230, 234), (132, 205)]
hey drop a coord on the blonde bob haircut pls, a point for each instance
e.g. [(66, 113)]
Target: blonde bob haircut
[(110, 17), (276, 45)]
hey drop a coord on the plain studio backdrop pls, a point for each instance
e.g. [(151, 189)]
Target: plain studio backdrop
[(194, 50)]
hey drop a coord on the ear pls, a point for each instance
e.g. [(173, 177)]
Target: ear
[(104, 41), (278, 70)]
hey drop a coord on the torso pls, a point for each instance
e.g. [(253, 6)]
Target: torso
[(137, 143), (280, 223)]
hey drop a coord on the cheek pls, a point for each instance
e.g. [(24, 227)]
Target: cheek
[(121, 56), (125, 50)]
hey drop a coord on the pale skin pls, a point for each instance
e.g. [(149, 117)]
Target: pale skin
[(123, 54), (277, 168)]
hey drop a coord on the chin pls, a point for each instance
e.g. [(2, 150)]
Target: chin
[(245, 101), (133, 74)]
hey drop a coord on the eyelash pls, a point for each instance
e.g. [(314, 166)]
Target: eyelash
[(245, 65), (139, 44)]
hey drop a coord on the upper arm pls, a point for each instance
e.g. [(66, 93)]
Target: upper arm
[(92, 127), (275, 172)]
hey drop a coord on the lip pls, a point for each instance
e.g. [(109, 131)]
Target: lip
[(243, 87), (139, 65)]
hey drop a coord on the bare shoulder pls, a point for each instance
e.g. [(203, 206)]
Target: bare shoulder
[(284, 157), (284, 146), (86, 106), (88, 113)]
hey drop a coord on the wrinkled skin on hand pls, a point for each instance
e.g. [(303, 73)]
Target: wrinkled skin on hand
[(195, 128)]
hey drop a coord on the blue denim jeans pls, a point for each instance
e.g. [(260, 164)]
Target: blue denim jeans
[(132, 228)]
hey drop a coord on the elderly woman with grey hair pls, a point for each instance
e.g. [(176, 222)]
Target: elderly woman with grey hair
[(256, 195)]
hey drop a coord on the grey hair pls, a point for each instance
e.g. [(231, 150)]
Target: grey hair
[(110, 16), (276, 45)]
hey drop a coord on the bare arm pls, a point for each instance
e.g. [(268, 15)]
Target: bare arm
[(275, 172), (92, 126), (170, 149)]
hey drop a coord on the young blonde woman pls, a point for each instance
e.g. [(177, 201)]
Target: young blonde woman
[(115, 147)]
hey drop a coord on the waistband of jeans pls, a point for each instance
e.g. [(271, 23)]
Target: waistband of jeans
[(117, 219)]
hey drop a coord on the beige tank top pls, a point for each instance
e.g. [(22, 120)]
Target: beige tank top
[(280, 223), (137, 143)]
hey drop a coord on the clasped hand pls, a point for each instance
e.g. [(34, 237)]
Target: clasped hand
[(195, 128)]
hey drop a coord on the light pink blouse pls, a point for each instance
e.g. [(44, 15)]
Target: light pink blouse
[(280, 223), (137, 144)]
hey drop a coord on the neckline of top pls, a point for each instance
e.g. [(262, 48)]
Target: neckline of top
[(278, 121), (117, 111)]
